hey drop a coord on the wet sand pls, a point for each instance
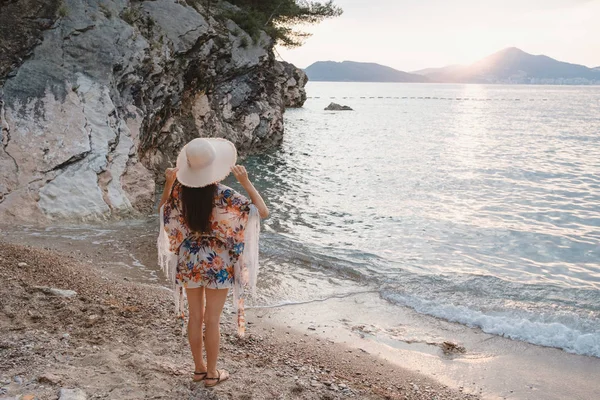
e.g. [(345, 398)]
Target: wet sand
[(458, 356), (118, 339)]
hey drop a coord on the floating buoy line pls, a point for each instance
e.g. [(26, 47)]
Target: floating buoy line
[(424, 98)]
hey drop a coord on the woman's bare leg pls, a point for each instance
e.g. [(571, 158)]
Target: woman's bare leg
[(196, 307), (215, 300)]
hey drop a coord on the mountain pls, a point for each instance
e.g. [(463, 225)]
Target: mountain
[(513, 65), (351, 71)]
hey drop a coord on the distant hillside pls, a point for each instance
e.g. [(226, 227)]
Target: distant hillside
[(350, 71), (513, 65)]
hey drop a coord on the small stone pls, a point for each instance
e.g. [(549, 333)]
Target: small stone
[(72, 394), (56, 292), (28, 397), (49, 378), (18, 380), (22, 264), (66, 336), (312, 328), (343, 386)]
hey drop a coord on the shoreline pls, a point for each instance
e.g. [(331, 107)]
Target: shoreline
[(488, 365), (458, 356), (118, 339)]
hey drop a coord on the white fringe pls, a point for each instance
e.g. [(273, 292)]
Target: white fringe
[(246, 269), (168, 263)]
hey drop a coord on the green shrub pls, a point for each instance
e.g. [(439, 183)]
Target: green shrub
[(105, 10), (129, 15), (63, 11)]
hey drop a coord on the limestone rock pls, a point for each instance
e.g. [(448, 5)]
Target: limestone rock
[(295, 93), (97, 99), (337, 107), (56, 292), (72, 394)]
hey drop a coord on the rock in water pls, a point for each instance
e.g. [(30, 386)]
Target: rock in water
[(94, 109), (72, 394), (337, 107)]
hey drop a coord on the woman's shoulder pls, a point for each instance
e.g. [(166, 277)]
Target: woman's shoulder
[(227, 195), (225, 190)]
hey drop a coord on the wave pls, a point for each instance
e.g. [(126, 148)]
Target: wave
[(542, 314), (508, 324)]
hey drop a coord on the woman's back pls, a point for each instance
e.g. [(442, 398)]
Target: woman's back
[(207, 259)]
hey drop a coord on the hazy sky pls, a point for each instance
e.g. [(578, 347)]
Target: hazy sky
[(413, 34)]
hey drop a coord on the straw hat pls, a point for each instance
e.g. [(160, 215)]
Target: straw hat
[(204, 161)]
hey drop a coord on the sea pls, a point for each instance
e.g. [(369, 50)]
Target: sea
[(476, 204)]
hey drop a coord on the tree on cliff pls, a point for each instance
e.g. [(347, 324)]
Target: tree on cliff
[(279, 17)]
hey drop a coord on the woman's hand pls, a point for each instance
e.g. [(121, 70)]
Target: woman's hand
[(240, 173), (171, 175), (242, 176)]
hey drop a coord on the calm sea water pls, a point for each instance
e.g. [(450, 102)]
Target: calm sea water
[(473, 203)]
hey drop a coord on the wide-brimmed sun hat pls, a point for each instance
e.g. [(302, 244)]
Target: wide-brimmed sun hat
[(204, 161)]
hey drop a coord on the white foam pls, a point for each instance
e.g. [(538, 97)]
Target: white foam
[(507, 324)]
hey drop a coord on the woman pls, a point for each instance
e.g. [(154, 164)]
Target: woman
[(204, 231)]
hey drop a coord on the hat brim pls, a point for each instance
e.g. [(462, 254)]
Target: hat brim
[(225, 159)]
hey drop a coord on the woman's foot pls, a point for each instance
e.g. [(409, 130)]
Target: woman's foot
[(214, 379), (199, 376)]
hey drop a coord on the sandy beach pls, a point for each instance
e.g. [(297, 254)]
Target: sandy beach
[(118, 339)]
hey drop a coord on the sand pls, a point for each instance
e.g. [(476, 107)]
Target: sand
[(118, 339)]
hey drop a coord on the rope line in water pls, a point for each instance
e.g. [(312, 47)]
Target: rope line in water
[(424, 98)]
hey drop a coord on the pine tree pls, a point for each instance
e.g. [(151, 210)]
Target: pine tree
[(278, 18)]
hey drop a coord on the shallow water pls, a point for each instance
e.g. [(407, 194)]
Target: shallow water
[(477, 204)]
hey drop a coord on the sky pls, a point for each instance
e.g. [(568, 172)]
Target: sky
[(413, 34)]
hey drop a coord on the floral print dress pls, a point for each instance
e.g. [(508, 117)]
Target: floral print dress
[(207, 259)]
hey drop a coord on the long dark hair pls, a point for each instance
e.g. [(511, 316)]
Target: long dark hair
[(197, 205)]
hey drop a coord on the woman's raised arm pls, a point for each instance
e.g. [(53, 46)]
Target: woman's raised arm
[(170, 176), (242, 176)]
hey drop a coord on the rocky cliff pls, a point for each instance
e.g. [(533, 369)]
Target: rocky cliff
[(98, 98)]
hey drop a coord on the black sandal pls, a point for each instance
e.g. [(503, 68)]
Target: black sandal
[(199, 373), (217, 379)]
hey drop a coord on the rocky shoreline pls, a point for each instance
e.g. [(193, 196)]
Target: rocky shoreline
[(96, 100), (116, 339)]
